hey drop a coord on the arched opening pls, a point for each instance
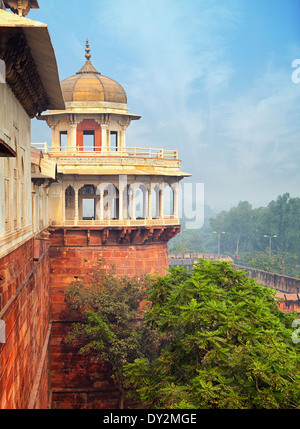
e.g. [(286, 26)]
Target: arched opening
[(70, 203), (168, 198), (87, 202), (155, 202), (107, 206), (141, 202)]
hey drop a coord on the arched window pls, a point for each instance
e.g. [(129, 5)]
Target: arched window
[(70, 203)]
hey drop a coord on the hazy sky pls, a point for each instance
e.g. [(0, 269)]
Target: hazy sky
[(212, 78)]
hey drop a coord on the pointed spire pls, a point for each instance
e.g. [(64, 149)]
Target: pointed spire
[(88, 66), (87, 50)]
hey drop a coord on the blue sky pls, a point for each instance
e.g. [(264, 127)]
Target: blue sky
[(212, 78)]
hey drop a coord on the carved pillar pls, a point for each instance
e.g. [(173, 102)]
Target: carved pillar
[(122, 187), (175, 188), (72, 136), (101, 205), (150, 202), (133, 204), (104, 137), (76, 204), (55, 135), (124, 123), (161, 203), (157, 203), (63, 204), (144, 202)]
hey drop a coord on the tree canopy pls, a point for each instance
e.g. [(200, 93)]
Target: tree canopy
[(208, 337), (249, 232), (229, 346)]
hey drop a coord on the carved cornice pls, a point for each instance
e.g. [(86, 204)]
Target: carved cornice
[(123, 236), (101, 160), (21, 72), (21, 7)]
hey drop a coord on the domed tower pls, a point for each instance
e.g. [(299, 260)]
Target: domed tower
[(110, 200)]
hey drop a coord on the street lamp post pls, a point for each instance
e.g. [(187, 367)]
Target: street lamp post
[(219, 239), (270, 242)]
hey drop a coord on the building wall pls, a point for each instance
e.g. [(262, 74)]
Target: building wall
[(24, 307), (15, 177), (24, 266), (76, 259)]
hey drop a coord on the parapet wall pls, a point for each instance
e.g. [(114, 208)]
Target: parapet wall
[(276, 281)]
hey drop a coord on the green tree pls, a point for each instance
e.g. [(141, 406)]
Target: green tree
[(284, 263), (229, 346), (238, 225), (109, 311)]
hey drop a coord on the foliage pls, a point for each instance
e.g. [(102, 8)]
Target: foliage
[(277, 263), (187, 242), (109, 314), (245, 229), (229, 346)]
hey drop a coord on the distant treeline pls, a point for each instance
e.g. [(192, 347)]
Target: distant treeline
[(248, 235)]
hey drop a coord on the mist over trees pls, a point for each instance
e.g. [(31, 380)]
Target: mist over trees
[(266, 238)]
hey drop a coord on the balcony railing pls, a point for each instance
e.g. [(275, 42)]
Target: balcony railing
[(117, 222), (119, 152)]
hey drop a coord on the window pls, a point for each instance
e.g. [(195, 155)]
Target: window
[(113, 141), (63, 140), (70, 197), (88, 190), (88, 140), (88, 208)]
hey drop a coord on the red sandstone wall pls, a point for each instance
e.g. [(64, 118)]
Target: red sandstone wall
[(79, 381), (67, 262), (24, 307)]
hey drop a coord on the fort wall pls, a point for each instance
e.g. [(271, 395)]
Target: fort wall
[(24, 307), (78, 381)]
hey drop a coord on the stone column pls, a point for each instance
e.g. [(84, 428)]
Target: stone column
[(101, 207), (144, 202), (157, 203), (76, 204), (123, 205), (104, 138), (122, 185), (149, 202), (175, 188), (133, 204), (63, 204), (72, 136), (161, 203), (55, 137)]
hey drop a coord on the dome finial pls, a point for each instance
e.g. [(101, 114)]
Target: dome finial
[(87, 50)]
